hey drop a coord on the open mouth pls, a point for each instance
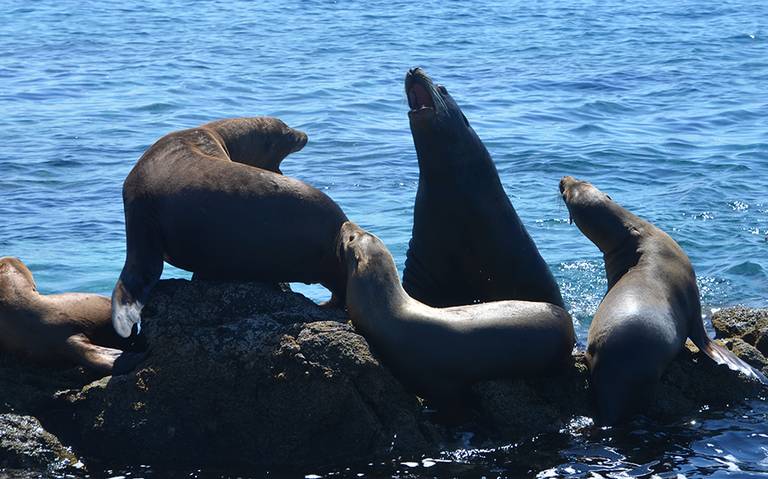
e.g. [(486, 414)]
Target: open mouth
[(417, 88)]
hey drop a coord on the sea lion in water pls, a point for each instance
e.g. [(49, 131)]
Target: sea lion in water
[(205, 200), (438, 352), (468, 245), (57, 328), (651, 307)]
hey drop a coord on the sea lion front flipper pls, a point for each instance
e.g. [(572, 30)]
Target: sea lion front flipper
[(143, 267), (99, 359), (721, 355)]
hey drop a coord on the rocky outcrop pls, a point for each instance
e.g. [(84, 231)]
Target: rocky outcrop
[(691, 382), (24, 444), (740, 326), (246, 375)]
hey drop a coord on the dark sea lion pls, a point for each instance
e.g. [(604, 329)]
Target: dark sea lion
[(57, 329), (651, 307), (468, 245), (202, 200), (438, 352)]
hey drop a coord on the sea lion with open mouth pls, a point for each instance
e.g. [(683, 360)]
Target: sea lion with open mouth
[(468, 245)]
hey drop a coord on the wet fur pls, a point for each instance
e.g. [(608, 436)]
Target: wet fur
[(652, 305)]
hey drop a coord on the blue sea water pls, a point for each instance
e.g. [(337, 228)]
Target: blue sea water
[(661, 104)]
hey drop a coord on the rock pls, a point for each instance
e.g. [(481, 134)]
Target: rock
[(243, 375), (246, 375), (693, 382), (740, 322), (27, 388), (517, 408), (24, 444)]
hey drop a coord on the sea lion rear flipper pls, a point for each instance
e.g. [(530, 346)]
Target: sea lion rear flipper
[(98, 358), (721, 355)]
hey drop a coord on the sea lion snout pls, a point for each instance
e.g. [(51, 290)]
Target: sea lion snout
[(348, 233), (419, 91), (565, 182), (300, 139)]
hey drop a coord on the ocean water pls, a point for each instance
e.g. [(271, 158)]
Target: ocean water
[(660, 104)]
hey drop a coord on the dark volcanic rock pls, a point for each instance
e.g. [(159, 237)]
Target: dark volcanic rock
[(245, 375), (27, 388), (740, 322), (518, 408), (748, 332), (511, 409), (240, 374), (24, 444)]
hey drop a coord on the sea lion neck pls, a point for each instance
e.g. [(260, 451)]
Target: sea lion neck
[(453, 157), (621, 259)]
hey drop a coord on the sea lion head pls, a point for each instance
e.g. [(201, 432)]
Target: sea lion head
[(431, 103), (15, 275), (438, 125), (364, 254), (263, 142), (278, 141), (600, 218)]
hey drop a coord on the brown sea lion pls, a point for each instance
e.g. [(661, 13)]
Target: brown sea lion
[(651, 307), (438, 352), (203, 200), (57, 329), (468, 245), (261, 141)]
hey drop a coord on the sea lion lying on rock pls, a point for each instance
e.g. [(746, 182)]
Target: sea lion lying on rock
[(438, 352), (58, 329)]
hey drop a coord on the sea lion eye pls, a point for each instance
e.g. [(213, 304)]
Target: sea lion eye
[(609, 197)]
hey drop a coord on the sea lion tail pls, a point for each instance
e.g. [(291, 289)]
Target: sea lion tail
[(722, 355), (126, 310)]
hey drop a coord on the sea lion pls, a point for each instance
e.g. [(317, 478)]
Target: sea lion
[(261, 141), (468, 245), (196, 200), (651, 307), (438, 352), (58, 329)]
